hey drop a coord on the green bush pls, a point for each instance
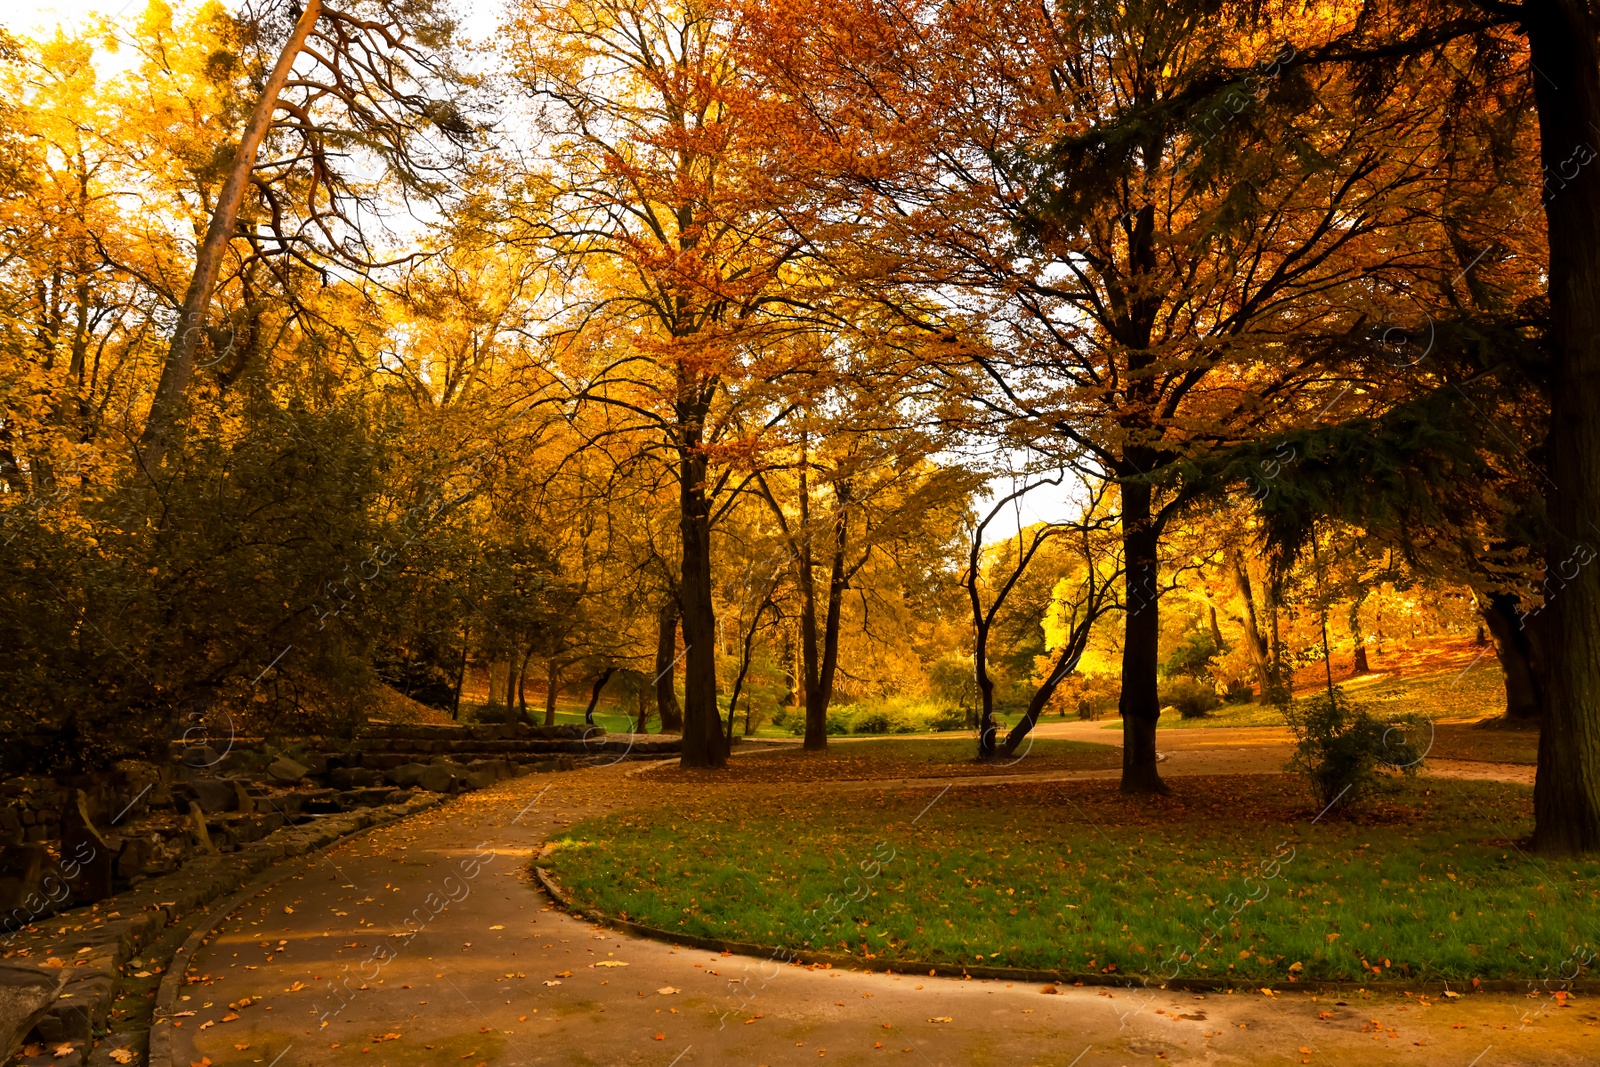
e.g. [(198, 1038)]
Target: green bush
[(1343, 749), (948, 718), (885, 719), (1193, 698), (1192, 658)]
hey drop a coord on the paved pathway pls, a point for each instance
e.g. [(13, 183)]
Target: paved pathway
[(426, 943)]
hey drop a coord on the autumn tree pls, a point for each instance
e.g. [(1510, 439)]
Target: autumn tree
[(348, 99), (647, 201), (1148, 291)]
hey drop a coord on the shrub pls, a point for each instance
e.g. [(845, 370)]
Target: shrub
[(1343, 748), (948, 718), (884, 720), (1090, 695), (1192, 658), (952, 680), (1192, 698), (876, 721)]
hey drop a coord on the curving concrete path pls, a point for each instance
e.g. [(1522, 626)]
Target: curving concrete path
[(426, 942)]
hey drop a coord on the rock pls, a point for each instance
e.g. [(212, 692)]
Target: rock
[(437, 778), (496, 769), (87, 858), (242, 798), (136, 855), (406, 775), (21, 871), (320, 763), (285, 770), (213, 794), (368, 797), (26, 993), (479, 779), (353, 778), (197, 826)]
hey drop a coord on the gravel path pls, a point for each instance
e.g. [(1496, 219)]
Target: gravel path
[(426, 942)]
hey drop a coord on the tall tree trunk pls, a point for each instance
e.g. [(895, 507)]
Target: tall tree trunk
[(1360, 640), (1566, 85), (513, 684), (816, 737), (1255, 641), (522, 682), (552, 686), (1514, 647), (819, 689), (703, 745), (666, 670), (643, 709), (1139, 706), (179, 366), (461, 679)]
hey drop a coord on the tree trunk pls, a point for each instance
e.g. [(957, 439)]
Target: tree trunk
[(1566, 84), (1514, 647), (1066, 663), (1139, 706), (461, 678), (703, 745), (522, 683), (552, 686), (643, 710), (816, 737), (513, 685), (1255, 641), (666, 671), (1359, 639), (594, 694), (179, 365)]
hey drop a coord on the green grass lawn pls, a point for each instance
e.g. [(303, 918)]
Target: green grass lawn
[(1427, 884)]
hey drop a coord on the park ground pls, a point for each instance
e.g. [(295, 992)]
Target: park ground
[(430, 941)]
